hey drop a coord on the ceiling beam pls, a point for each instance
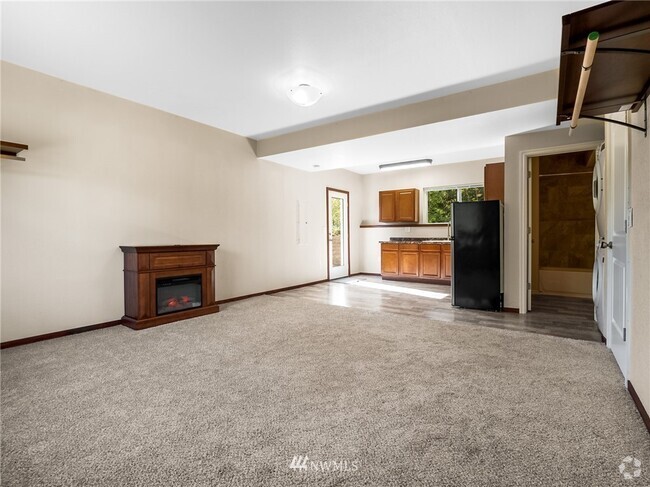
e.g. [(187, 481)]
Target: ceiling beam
[(508, 94)]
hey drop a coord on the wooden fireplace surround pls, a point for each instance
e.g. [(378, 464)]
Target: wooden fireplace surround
[(143, 265)]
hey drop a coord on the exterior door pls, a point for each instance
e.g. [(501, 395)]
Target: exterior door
[(337, 234), (617, 143)]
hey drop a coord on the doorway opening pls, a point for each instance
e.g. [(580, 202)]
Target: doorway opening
[(562, 225), (526, 216), (338, 233)]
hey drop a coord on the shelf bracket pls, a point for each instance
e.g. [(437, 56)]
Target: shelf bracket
[(10, 150), (624, 124), (606, 50)]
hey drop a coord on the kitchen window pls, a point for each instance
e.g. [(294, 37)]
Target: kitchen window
[(439, 200)]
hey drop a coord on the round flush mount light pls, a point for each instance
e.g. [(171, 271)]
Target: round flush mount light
[(304, 95)]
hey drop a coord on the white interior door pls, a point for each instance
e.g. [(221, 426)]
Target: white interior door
[(337, 234), (617, 143)]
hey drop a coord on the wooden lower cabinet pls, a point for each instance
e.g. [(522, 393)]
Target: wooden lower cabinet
[(427, 262), (430, 260), (409, 260), (389, 260), (446, 261)]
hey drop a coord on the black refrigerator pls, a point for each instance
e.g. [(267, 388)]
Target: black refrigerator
[(477, 255)]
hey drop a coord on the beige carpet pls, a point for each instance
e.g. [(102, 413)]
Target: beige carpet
[(370, 398)]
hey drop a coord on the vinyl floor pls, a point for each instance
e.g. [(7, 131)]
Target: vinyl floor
[(551, 315)]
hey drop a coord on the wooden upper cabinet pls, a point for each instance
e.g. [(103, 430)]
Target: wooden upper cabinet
[(493, 181), (401, 205), (387, 206), (407, 205)]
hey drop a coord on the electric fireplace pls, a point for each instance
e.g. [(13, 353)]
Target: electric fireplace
[(175, 294), (167, 283)]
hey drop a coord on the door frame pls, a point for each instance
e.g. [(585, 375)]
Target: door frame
[(327, 226), (524, 204), (611, 165)]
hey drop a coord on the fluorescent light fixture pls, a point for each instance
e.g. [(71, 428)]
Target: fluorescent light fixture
[(394, 166), (304, 95)]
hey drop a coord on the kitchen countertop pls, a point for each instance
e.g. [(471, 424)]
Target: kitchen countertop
[(416, 240)]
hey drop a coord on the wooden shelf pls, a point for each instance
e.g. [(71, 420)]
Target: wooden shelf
[(10, 150), (619, 74), (391, 225)]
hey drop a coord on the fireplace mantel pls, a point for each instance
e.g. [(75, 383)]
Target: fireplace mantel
[(145, 266)]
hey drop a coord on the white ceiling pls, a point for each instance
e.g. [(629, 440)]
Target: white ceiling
[(229, 64)]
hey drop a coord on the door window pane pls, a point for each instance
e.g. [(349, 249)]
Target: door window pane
[(337, 254)]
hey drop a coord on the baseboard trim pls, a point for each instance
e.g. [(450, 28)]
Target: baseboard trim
[(422, 280), (511, 310), (365, 274), (58, 334), (107, 324), (272, 291), (639, 405)]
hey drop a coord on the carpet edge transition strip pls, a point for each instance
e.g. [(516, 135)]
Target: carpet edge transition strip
[(639, 405)]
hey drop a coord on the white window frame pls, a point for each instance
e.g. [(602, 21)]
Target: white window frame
[(457, 187)]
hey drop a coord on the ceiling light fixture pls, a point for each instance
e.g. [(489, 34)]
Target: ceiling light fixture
[(304, 95), (394, 166)]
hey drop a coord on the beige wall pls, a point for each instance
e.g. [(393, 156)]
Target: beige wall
[(639, 373), (443, 175), (103, 172), (515, 147)]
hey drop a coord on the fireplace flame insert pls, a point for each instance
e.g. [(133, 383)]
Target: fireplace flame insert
[(175, 294)]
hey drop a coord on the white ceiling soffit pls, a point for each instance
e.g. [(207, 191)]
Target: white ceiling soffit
[(229, 64), (462, 139)]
